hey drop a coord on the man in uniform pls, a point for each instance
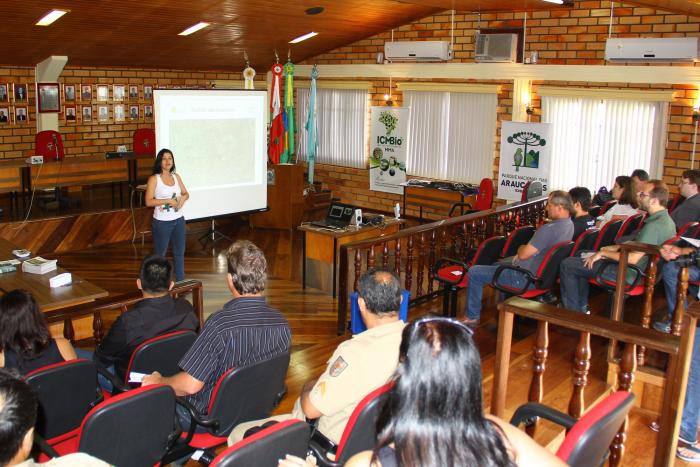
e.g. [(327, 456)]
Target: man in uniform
[(357, 367)]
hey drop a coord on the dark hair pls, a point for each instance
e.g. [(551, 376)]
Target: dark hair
[(381, 291), (641, 174), (18, 409), (659, 191), (693, 176), (434, 413), (581, 195), (156, 274), (157, 169), (247, 266), (628, 196), (23, 327)]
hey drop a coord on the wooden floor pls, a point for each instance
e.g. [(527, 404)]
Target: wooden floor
[(312, 319)]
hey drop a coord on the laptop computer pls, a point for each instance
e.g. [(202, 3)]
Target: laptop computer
[(338, 217)]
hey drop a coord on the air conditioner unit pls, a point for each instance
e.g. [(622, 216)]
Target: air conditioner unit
[(652, 49), (496, 47), (423, 51)]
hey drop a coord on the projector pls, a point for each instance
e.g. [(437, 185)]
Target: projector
[(35, 160)]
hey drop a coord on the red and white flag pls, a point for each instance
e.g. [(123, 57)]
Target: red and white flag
[(276, 145)]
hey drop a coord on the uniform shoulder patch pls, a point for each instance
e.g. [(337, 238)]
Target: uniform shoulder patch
[(338, 366)]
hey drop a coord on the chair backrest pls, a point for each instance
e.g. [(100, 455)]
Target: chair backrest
[(489, 251), (678, 199), (132, 428), (48, 143), (161, 353), (607, 205), (688, 230), (548, 271), (629, 225), (588, 441), (360, 432), (518, 237), (594, 211), (585, 241), (247, 393), (484, 200), (267, 446), (145, 141), (66, 392), (357, 325), (531, 190), (607, 234)]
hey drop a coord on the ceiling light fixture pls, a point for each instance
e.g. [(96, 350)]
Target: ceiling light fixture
[(193, 29), (303, 38), (314, 10), (50, 17)]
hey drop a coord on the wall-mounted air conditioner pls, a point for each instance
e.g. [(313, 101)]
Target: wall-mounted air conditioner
[(652, 49), (423, 51), (496, 47)]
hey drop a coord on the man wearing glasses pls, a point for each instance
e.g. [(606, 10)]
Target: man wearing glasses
[(688, 210)]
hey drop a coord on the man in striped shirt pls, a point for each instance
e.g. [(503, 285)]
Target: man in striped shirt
[(244, 332)]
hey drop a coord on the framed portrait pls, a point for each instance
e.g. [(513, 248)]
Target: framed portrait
[(118, 92), (148, 92), (103, 113), (87, 113), (148, 111), (4, 96), (4, 115), (119, 113), (69, 92), (102, 92), (21, 115), (70, 112), (86, 92), (48, 97), (20, 91), (133, 112), (133, 92)]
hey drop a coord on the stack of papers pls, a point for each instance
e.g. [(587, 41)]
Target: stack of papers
[(39, 265)]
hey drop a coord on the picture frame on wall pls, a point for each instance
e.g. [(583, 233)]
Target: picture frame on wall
[(118, 92), (20, 92), (133, 92), (86, 112), (48, 97), (102, 92), (69, 92), (21, 115), (148, 112), (148, 93), (103, 113), (86, 92), (71, 113), (133, 112), (4, 95), (119, 113), (4, 115)]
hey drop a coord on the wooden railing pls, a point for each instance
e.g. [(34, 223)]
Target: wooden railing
[(632, 336), (120, 303), (411, 253)]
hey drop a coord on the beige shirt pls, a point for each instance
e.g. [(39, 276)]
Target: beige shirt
[(357, 367), (77, 459)]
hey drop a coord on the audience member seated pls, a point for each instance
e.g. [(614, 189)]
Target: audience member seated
[(689, 209), (575, 272), (158, 313), (18, 413), (25, 341), (669, 274), (581, 199), (246, 331), (434, 414), (623, 192), (639, 178), (560, 229), (357, 367)]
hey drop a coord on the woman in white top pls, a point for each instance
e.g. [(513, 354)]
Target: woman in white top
[(626, 206), (167, 194)]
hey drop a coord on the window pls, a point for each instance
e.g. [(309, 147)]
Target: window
[(594, 140), (342, 126), (451, 134)]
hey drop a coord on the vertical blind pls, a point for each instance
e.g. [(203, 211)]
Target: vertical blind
[(451, 134), (595, 140), (342, 126)]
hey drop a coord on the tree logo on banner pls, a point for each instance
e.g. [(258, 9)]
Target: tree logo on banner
[(523, 157), (389, 120)]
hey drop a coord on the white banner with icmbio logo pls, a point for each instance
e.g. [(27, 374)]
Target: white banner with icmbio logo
[(525, 156), (388, 140)]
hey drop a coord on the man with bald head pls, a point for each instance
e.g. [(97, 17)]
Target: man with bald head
[(357, 367)]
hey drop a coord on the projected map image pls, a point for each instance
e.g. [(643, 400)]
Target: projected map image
[(210, 153)]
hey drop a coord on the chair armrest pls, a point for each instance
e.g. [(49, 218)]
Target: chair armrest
[(459, 205), (44, 447), (196, 419), (117, 384), (530, 412), (530, 279), (608, 263), (320, 447), (441, 263)]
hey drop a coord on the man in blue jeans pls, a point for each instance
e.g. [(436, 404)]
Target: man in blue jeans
[(560, 229)]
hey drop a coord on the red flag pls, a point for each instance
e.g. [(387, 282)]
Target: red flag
[(276, 146)]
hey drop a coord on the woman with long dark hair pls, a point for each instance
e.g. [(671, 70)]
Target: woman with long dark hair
[(627, 204), (25, 341), (166, 193), (434, 414)]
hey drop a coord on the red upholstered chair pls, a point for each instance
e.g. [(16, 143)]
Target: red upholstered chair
[(607, 235), (518, 237), (484, 200), (678, 199), (588, 439), (585, 241), (48, 143), (161, 353), (630, 225), (145, 141), (267, 446), (606, 206), (531, 190), (689, 229), (359, 433)]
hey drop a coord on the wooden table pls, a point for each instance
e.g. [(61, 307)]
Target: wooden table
[(321, 248), (434, 203)]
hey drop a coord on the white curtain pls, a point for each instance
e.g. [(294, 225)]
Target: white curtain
[(451, 134), (594, 140), (342, 126)]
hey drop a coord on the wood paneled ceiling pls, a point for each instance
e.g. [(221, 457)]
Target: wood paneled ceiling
[(143, 33)]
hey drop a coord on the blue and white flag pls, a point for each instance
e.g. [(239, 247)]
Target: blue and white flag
[(311, 127)]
